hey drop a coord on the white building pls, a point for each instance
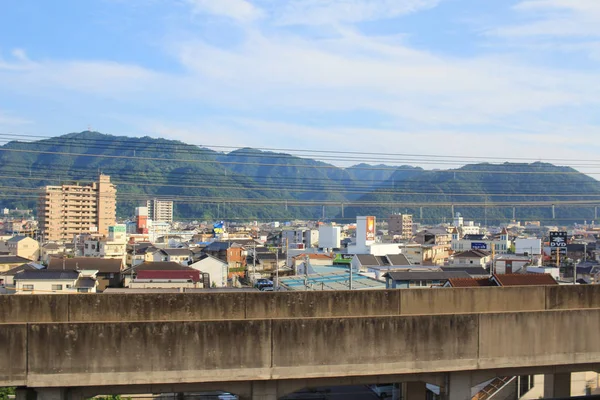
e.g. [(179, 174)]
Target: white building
[(215, 268), (528, 246), (500, 245), (113, 246), (330, 237), (365, 235), (160, 210), (55, 281), (300, 238)]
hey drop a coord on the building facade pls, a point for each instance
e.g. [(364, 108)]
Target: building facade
[(69, 210), (160, 210), (401, 225)]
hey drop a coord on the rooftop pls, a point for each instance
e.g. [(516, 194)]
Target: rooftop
[(336, 280), (524, 279), (45, 274), (102, 265)]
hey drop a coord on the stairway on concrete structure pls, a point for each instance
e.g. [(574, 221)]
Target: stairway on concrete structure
[(493, 388)]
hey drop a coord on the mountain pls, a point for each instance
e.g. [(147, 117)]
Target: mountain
[(518, 186), (244, 183), (252, 184)]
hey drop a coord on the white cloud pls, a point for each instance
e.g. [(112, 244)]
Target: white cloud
[(560, 18), (317, 12), (240, 10)]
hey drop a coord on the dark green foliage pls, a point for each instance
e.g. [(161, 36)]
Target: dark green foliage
[(251, 184)]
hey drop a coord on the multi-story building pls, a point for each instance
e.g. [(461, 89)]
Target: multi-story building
[(160, 210), (401, 225), (69, 210)]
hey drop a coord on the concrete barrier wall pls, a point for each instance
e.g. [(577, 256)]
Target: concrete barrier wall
[(322, 304), (539, 338), (130, 353), (157, 307), (38, 308), (375, 345), (13, 354), (249, 305), (472, 300), (144, 352), (572, 296)]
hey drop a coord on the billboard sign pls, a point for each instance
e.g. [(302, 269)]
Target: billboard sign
[(478, 246), (558, 240), (371, 228), (561, 250)]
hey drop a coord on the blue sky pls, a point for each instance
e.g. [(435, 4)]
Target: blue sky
[(504, 78)]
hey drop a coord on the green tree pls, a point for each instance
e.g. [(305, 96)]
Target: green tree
[(5, 392)]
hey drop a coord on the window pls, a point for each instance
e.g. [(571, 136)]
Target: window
[(68, 286), (27, 287), (57, 287)]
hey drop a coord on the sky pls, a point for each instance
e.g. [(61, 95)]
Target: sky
[(497, 78)]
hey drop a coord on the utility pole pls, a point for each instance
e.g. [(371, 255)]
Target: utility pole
[(350, 282), (254, 263), (306, 263), (277, 269)]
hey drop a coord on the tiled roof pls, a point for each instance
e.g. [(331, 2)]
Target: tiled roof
[(472, 254), (192, 274), (470, 282), (13, 260), (314, 257), (398, 259), (103, 265), (433, 275), (15, 239), (524, 279), (20, 268), (160, 266), (177, 252), (45, 274), (368, 260), (473, 271)]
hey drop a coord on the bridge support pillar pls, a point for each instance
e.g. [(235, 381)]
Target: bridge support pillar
[(415, 391), (262, 390), (557, 385), (459, 386)]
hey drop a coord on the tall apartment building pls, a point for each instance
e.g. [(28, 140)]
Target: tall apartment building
[(160, 210), (69, 210), (401, 224)]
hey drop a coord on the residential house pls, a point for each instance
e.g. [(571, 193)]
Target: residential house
[(7, 283), (163, 279), (439, 236), (108, 269), (267, 260), (471, 258), (500, 244), (24, 246), (9, 261), (420, 279), (511, 263), (52, 250), (231, 252), (133, 273), (55, 281), (214, 267), (140, 252), (180, 256)]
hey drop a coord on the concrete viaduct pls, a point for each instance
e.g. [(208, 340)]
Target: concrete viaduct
[(264, 345)]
